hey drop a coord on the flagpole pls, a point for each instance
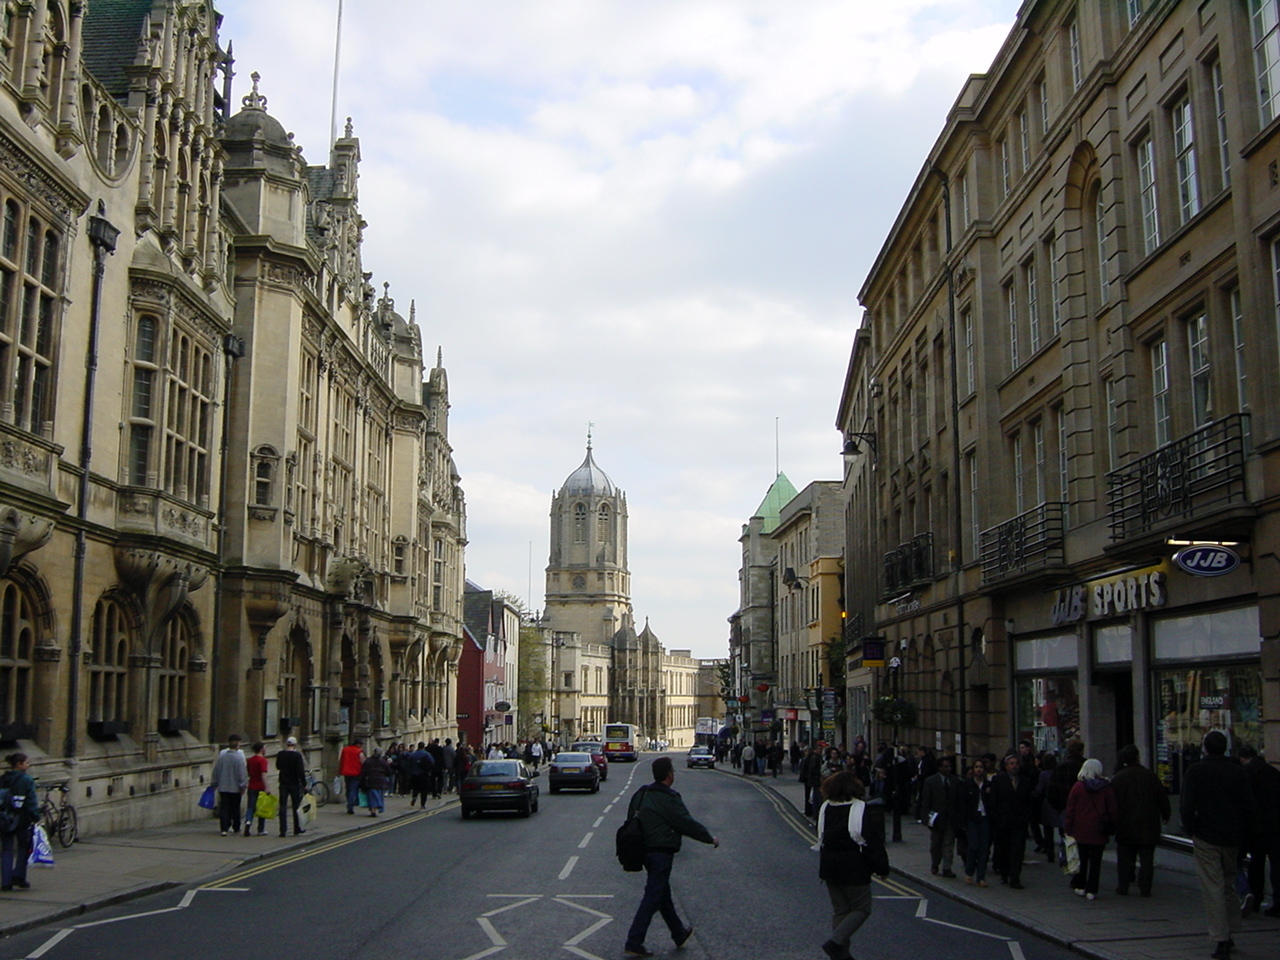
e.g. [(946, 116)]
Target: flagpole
[(337, 58)]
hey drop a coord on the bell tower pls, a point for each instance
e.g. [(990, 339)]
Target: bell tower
[(588, 587)]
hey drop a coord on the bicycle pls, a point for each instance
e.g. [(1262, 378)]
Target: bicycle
[(60, 820), (317, 788)]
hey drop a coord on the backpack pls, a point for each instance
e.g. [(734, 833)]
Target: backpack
[(629, 842), (10, 807)]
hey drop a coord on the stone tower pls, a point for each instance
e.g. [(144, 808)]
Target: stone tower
[(588, 589)]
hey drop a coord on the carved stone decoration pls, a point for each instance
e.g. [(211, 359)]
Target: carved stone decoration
[(65, 205), (24, 458), (347, 575), (160, 583), (19, 535)]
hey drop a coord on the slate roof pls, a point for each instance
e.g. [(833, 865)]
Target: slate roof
[(110, 41), (589, 479)]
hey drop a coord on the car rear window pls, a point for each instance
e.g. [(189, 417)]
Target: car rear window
[(496, 768), (563, 759)]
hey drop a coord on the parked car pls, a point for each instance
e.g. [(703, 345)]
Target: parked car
[(596, 749), (700, 757), (499, 785), (570, 769)]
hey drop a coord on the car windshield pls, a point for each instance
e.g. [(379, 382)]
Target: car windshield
[(569, 759), (496, 768), (699, 750), (588, 747)]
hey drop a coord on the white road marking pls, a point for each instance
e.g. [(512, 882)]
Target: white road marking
[(491, 931), (584, 896), (607, 809), (49, 944), (514, 896), (578, 906), (922, 909), (1015, 948), (487, 952), (888, 896), (586, 840), (568, 868), (588, 932), (956, 926), (599, 820), (510, 906)]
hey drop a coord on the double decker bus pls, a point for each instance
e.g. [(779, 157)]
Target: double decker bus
[(621, 741)]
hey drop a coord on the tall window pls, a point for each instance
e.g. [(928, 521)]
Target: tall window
[(1135, 10), (1184, 143), (17, 643), (1242, 372), (1042, 104), (172, 676), (1074, 54), (1146, 155), (1264, 16), (188, 419), (29, 309), (142, 413), (1024, 141), (109, 663), (1055, 290), (437, 575), (1042, 461), (1064, 479), (1033, 302), (975, 527), (1011, 317), (602, 524), (1100, 237), (966, 331), (579, 523), (1220, 116), (1002, 146), (1160, 391), (1113, 422), (1019, 474), (1198, 355), (265, 460), (966, 216)]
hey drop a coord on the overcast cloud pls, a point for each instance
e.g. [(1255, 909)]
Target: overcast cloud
[(650, 215)]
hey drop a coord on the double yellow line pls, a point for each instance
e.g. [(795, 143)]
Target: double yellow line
[(323, 847)]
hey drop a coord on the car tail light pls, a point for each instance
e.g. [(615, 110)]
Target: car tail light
[(516, 785), (470, 786)]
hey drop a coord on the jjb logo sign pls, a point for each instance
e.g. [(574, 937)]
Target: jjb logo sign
[(1207, 560)]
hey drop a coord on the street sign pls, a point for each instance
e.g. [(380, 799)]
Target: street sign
[(873, 653), (464, 716)]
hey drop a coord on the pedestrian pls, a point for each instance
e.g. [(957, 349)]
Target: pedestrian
[(536, 751), (776, 755), (850, 849), (1029, 766), (1091, 816), (419, 763), (450, 760), (256, 766), (665, 821), (15, 844), (976, 799), (795, 755), (375, 775), (1217, 812), (926, 767), (1263, 842), (291, 777), (350, 763), (1144, 807), (811, 777), (1011, 803), (230, 779), (1050, 819), (748, 759), (1063, 778), (435, 775), (943, 802)]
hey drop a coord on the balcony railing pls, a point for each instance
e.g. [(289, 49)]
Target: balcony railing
[(1184, 480), (909, 563), (1029, 541)]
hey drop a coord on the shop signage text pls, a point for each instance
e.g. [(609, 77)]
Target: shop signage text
[(1107, 598), (1207, 560)]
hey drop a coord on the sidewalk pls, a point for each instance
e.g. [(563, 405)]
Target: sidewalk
[(100, 871), (1169, 925)]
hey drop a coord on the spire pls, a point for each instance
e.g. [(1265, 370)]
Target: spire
[(439, 357), (590, 426), (413, 312), (253, 100)]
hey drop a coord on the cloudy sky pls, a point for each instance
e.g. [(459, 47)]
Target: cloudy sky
[(653, 216)]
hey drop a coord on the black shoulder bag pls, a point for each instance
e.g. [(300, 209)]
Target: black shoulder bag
[(630, 842)]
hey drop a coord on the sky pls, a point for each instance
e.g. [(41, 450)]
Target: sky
[(649, 216)]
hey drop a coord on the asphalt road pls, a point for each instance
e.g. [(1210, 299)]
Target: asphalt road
[(436, 887)]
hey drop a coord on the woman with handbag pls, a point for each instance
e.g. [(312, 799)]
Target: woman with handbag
[(850, 849), (1091, 816), (15, 845)]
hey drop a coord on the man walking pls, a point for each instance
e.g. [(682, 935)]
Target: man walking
[(1263, 841), (1217, 810), (942, 800), (1144, 806), (350, 763), (450, 759), (231, 779), (748, 759), (665, 820), (291, 771)]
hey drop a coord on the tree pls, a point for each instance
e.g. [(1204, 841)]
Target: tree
[(534, 690)]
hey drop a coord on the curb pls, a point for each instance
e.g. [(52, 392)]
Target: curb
[(145, 890)]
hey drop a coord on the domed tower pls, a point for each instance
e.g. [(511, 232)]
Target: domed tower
[(588, 589)]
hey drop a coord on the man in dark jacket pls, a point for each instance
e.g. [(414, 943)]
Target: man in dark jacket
[(292, 770), (1217, 810), (942, 801), (1064, 777), (811, 777), (1263, 842), (665, 820), (1144, 806), (1011, 813)]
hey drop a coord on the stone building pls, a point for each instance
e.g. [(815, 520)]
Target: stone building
[(1066, 373), (176, 282)]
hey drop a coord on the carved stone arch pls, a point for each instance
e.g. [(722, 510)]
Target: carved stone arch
[(29, 580)]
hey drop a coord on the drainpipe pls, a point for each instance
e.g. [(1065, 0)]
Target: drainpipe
[(957, 517), (103, 235), (232, 350)]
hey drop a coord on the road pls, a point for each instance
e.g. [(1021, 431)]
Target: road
[(436, 887)]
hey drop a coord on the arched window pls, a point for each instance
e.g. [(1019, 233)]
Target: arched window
[(17, 641), (602, 524), (295, 677), (109, 663), (579, 523), (265, 459), (142, 412), (175, 651)]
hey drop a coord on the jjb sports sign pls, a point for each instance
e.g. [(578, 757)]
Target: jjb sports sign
[(1207, 560)]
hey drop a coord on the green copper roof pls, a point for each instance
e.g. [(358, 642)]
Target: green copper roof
[(780, 494)]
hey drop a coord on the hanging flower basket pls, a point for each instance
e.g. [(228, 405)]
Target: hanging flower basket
[(894, 712)]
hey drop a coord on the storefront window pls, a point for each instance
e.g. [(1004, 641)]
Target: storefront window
[(1204, 635), (1048, 710), (1046, 653), (1113, 644), (1191, 701)]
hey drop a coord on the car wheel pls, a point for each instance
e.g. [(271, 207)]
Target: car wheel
[(466, 813), (595, 787), (527, 808), (535, 804)]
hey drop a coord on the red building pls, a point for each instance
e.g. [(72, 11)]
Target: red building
[(471, 677)]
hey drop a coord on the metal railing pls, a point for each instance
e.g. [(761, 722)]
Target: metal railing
[(909, 563), (1027, 542), (1188, 478)]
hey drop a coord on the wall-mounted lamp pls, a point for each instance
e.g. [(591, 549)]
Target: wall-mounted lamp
[(852, 451)]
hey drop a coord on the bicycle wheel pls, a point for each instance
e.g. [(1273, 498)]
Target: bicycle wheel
[(49, 817), (68, 826), (320, 790)]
